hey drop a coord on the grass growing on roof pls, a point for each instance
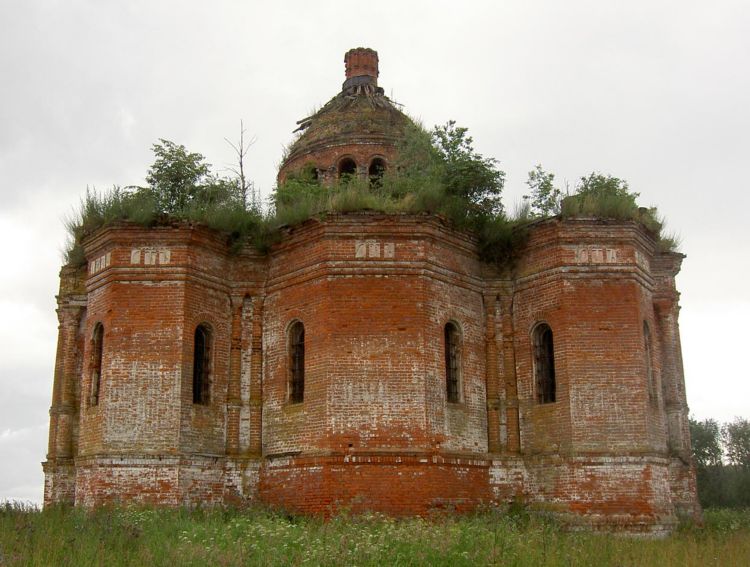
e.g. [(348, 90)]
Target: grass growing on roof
[(435, 172)]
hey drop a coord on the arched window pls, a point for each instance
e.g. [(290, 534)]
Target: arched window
[(296, 362), (347, 166), (376, 171), (544, 363), (97, 348), (202, 365), (650, 382), (452, 362)]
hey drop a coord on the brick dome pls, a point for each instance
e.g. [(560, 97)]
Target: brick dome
[(357, 126)]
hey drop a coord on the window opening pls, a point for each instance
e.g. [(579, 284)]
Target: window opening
[(297, 363), (347, 166), (202, 365), (544, 364), (452, 358), (376, 172), (97, 348)]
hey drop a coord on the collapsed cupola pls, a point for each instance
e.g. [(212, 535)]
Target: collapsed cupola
[(355, 133)]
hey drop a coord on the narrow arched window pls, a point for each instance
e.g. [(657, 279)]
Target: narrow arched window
[(202, 365), (296, 362), (452, 363), (650, 382), (376, 172), (347, 166), (544, 364), (97, 349)]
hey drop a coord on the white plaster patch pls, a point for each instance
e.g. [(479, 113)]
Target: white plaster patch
[(389, 250), (151, 256), (360, 249), (597, 255), (98, 264), (372, 249)]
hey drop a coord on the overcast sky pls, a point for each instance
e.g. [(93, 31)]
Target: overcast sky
[(656, 92)]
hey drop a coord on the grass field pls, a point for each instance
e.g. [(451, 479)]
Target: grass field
[(146, 537)]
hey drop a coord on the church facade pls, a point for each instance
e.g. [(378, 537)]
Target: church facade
[(372, 361)]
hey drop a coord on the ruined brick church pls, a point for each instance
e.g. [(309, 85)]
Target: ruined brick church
[(372, 361)]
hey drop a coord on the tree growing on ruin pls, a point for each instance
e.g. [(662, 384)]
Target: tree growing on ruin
[(467, 174), (545, 199), (177, 177), (181, 182)]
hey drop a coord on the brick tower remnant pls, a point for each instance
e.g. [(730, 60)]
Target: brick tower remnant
[(361, 67), (355, 133), (373, 361)]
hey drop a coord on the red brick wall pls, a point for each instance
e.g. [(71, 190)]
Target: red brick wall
[(374, 306), (203, 426), (585, 280), (627, 492), (396, 485), (138, 407), (375, 430)]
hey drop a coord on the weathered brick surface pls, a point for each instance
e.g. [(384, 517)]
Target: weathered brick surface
[(393, 484), (375, 430), (622, 491)]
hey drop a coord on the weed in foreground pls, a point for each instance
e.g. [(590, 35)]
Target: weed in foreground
[(147, 536)]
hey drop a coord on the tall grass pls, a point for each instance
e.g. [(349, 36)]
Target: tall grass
[(138, 205), (612, 200), (500, 236), (145, 536)]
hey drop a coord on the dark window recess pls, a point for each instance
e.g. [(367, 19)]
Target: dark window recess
[(376, 172), (202, 365), (297, 363), (97, 348), (347, 166), (452, 362), (650, 382), (544, 364)]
